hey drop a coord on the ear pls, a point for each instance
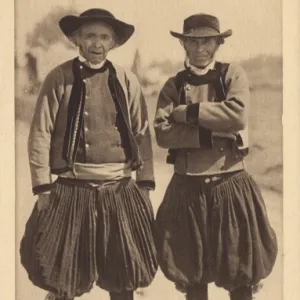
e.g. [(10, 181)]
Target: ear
[(74, 38), (114, 45), (182, 43), (115, 41), (73, 41)]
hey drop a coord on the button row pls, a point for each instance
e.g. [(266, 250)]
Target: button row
[(214, 179), (88, 145)]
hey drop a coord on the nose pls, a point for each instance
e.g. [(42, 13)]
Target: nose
[(200, 48), (97, 42)]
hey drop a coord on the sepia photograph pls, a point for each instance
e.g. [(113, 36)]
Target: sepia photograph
[(149, 150)]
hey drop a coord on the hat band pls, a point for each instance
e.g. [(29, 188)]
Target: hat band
[(200, 32), (201, 28)]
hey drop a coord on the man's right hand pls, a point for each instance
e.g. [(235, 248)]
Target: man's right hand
[(43, 201)]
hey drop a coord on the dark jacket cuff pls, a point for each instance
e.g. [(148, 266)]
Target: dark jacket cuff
[(192, 113), (149, 184), (205, 137), (42, 188)]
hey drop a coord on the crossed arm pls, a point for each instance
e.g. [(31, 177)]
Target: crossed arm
[(194, 125)]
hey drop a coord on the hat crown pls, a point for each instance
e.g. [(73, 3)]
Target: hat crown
[(201, 20), (69, 24), (97, 12)]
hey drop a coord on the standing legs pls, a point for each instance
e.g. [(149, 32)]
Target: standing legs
[(126, 295), (242, 293), (198, 292)]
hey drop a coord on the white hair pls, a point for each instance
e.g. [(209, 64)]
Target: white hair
[(75, 36)]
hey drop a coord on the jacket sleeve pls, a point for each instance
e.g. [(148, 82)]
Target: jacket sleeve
[(141, 130), (229, 115), (41, 129), (170, 134)]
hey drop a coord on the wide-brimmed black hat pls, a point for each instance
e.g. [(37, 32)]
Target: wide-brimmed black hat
[(201, 25), (70, 23)]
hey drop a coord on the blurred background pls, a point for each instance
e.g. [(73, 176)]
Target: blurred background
[(154, 55)]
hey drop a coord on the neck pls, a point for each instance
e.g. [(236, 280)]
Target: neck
[(200, 67), (199, 70), (90, 64)]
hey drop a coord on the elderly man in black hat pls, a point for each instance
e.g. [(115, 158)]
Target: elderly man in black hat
[(94, 223), (212, 225)]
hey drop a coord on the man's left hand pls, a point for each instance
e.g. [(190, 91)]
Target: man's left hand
[(179, 114)]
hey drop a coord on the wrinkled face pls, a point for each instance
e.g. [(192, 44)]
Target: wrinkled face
[(201, 51), (95, 40)]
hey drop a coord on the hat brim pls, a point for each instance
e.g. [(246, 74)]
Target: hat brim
[(204, 33), (124, 31)]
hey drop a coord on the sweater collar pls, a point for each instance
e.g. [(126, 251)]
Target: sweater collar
[(92, 66), (198, 71)]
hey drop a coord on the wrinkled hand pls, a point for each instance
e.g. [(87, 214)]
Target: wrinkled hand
[(179, 114), (43, 201), (145, 192)]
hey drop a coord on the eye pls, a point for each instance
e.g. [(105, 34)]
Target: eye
[(105, 37), (209, 40), (192, 41), (89, 36)]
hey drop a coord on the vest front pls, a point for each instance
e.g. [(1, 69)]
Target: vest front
[(104, 138)]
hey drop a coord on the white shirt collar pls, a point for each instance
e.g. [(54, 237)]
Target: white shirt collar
[(92, 66), (198, 71)]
